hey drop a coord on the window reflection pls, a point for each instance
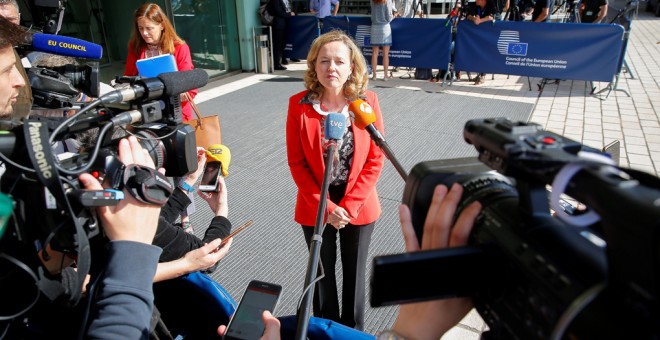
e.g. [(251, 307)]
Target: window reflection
[(199, 23)]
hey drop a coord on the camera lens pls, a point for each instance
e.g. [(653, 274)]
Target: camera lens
[(485, 187), (150, 142)]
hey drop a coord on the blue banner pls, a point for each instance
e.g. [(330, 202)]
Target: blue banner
[(301, 32), (546, 50), (410, 48)]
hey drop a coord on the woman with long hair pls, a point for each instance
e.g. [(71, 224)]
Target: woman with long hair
[(153, 35)]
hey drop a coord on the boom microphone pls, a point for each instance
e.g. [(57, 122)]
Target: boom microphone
[(363, 118), (168, 84), (66, 46)]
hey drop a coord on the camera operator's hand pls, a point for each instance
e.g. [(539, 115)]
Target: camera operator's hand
[(430, 320), (198, 259), (192, 177), (129, 220), (339, 217), (217, 200)]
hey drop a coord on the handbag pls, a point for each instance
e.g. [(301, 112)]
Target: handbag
[(207, 129)]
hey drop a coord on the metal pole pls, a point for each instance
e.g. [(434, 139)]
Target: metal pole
[(314, 250)]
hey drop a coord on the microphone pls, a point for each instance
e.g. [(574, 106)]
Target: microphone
[(363, 118), (168, 84), (66, 46), (335, 125)]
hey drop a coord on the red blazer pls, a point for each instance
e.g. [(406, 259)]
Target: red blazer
[(183, 63), (305, 158)]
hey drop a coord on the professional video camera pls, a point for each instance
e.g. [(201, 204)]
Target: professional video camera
[(533, 273), (68, 68), (59, 87), (52, 209)]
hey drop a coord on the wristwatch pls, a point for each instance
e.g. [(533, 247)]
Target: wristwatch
[(185, 186)]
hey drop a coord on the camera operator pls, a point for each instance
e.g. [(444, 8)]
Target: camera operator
[(124, 301), (11, 80), (124, 297), (431, 319), (23, 104)]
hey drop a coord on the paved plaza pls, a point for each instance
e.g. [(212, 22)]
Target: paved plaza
[(423, 121)]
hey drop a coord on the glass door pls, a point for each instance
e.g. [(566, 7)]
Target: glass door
[(200, 24)]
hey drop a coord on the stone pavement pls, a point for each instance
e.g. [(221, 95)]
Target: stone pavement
[(567, 109)]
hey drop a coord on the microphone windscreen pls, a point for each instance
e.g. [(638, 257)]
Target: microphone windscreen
[(335, 124), (66, 46), (183, 81), (363, 114), (219, 153)]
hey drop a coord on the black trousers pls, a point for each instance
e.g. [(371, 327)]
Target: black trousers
[(279, 43), (354, 248)]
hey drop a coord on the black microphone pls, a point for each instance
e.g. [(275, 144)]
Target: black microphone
[(363, 118), (165, 85)]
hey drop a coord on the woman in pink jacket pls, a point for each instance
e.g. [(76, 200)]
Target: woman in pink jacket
[(336, 75), (153, 35)]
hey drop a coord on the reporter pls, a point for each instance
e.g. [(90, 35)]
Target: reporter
[(124, 301)]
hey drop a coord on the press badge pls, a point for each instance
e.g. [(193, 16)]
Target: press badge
[(589, 13)]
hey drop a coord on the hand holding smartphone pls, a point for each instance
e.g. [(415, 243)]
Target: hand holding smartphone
[(209, 181), (246, 323)]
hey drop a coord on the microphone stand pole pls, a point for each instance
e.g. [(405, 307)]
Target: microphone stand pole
[(315, 249)]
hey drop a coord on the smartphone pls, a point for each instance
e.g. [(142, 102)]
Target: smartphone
[(233, 233), (210, 177), (246, 322)]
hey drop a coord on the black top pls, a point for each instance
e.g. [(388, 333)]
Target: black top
[(174, 241), (488, 10), (591, 10), (540, 5)]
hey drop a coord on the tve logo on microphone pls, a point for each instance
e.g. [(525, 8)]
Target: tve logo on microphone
[(335, 124)]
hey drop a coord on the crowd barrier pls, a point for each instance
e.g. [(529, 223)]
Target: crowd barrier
[(550, 50)]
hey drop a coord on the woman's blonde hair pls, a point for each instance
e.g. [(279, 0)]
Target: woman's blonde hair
[(356, 84), (168, 38)]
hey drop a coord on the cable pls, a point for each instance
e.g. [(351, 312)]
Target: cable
[(67, 122), (29, 271), (95, 153)]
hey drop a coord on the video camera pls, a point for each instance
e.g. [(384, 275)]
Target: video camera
[(52, 209), (532, 272)]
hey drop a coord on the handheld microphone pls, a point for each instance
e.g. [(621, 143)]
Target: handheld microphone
[(363, 118), (335, 125), (66, 46)]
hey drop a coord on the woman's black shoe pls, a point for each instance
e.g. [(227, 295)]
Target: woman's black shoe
[(295, 60), (285, 62), (280, 68)]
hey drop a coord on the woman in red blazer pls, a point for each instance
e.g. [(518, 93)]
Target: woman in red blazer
[(336, 75), (153, 35)]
